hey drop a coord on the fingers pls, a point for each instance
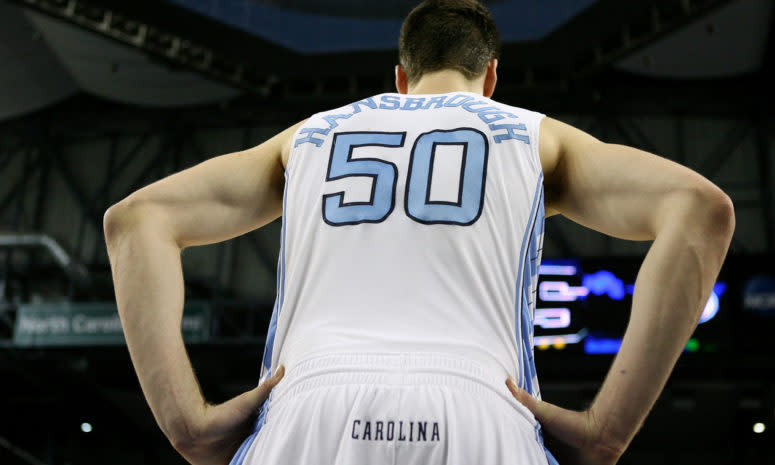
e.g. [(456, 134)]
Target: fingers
[(523, 397), (565, 424), (272, 381), (260, 393), (247, 404)]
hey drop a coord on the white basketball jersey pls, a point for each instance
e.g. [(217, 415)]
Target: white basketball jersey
[(412, 223)]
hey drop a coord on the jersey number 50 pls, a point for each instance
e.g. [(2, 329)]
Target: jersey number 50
[(417, 203)]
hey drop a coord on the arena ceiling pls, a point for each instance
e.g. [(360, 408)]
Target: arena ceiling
[(196, 52), (337, 26)]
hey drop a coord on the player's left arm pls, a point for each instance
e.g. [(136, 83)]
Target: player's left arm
[(631, 194), (213, 201)]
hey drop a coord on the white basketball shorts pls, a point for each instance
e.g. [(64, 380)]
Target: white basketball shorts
[(407, 409)]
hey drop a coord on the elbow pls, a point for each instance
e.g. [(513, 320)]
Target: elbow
[(181, 442), (133, 216), (117, 220), (111, 222), (182, 436), (709, 222), (702, 213), (729, 216), (122, 218), (704, 204), (719, 215)]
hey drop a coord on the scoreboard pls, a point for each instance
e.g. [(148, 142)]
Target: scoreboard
[(583, 306)]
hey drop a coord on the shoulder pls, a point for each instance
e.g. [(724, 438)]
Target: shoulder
[(559, 142), (557, 139), (526, 115), (285, 140)]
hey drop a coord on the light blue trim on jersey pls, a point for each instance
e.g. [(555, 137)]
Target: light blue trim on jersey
[(282, 243), (239, 457), (266, 368), (550, 457), (528, 267), (528, 270), (529, 273), (269, 344), (550, 460)]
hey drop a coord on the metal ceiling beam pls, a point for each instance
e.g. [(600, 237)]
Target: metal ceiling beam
[(78, 191), (587, 45), (5, 158), (14, 192), (165, 45), (635, 32), (725, 148), (615, 94), (66, 261)]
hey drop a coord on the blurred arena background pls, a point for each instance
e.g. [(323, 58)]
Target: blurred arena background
[(101, 97)]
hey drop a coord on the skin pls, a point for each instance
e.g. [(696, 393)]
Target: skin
[(614, 189)]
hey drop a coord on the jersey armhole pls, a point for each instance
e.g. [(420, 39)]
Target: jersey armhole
[(292, 148), (536, 137)]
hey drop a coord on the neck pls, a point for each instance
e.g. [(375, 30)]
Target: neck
[(444, 81)]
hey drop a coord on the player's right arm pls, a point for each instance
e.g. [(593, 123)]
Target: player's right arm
[(628, 193), (215, 200)]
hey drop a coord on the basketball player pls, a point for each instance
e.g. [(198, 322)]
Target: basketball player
[(411, 238)]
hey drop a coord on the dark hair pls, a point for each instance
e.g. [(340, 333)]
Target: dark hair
[(448, 34)]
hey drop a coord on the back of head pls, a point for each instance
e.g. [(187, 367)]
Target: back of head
[(448, 34)]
